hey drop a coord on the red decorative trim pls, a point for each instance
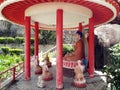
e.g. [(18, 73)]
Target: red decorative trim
[(70, 64), (115, 4), (76, 84)]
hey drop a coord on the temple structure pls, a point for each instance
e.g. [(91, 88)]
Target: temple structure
[(58, 15)]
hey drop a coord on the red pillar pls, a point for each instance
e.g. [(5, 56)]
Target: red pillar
[(80, 27), (36, 44), (27, 48), (1, 1), (59, 42), (91, 47)]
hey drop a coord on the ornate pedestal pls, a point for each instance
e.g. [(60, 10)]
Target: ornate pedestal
[(68, 68), (80, 84)]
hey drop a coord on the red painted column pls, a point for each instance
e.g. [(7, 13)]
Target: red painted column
[(27, 48), (36, 44), (91, 47), (1, 1), (59, 42), (80, 27)]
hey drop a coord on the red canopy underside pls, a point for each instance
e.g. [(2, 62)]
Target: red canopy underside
[(15, 12)]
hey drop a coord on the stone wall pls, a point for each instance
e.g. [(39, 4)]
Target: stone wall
[(68, 37)]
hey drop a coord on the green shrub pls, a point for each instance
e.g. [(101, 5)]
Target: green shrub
[(32, 40), (6, 40), (67, 49), (22, 57), (19, 40), (8, 50), (5, 50), (7, 61), (16, 51), (2, 68), (113, 68), (47, 37), (2, 40), (9, 40), (32, 50)]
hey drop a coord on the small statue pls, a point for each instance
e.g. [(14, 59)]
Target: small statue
[(79, 80), (38, 68), (41, 82), (46, 75), (78, 73), (47, 61)]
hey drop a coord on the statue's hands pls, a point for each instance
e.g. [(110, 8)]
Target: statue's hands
[(70, 54), (86, 35)]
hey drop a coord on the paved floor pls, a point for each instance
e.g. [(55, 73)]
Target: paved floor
[(96, 83)]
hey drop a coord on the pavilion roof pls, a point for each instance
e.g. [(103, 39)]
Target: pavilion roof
[(75, 11)]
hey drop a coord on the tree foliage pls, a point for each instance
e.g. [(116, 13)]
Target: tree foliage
[(113, 68), (47, 37), (67, 49)]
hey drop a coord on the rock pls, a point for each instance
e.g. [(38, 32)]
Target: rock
[(108, 34), (40, 82)]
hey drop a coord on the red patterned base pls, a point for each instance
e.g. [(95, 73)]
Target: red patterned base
[(47, 78), (70, 64), (79, 85)]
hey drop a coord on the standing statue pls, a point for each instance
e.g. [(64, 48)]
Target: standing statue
[(78, 53), (47, 61), (38, 68), (46, 75), (79, 80)]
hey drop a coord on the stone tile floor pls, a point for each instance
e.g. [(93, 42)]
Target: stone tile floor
[(96, 83)]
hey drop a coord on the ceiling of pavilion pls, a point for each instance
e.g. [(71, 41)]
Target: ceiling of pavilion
[(75, 11)]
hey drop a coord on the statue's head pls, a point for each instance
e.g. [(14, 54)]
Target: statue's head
[(79, 34)]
